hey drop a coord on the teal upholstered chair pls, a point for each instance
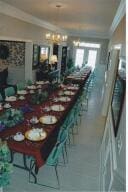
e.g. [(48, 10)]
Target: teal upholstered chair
[(21, 86), (10, 91), (29, 82), (1, 98)]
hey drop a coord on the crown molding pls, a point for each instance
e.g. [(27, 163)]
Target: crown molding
[(7, 38), (21, 15), (118, 16), (90, 34)]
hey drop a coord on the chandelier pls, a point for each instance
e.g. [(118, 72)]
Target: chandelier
[(76, 43), (56, 37)]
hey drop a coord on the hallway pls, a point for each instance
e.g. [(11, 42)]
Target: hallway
[(82, 171)]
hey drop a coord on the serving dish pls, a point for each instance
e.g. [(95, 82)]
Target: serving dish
[(36, 134)]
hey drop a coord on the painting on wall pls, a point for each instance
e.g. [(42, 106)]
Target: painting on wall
[(118, 94), (12, 53)]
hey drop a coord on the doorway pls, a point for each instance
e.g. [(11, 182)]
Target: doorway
[(79, 57), (92, 57)]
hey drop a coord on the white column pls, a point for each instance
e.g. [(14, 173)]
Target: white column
[(59, 59), (28, 60)]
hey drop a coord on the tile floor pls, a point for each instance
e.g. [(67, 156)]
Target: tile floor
[(82, 171)]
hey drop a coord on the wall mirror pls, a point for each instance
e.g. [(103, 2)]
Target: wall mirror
[(35, 56), (118, 94), (44, 53)]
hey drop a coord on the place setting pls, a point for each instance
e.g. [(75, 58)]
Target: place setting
[(11, 98), (35, 134), (22, 92)]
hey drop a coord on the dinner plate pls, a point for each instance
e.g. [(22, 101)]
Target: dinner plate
[(36, 134), (7, 106), (69, 93), (48, 119), (72, 88), (22, 92), (57, 107), (64, 99), (31, 87), (18, 138), (11, 98), (21, 97), (31, 91)]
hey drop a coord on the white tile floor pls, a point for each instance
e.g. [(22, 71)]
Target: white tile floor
[(82, 171)]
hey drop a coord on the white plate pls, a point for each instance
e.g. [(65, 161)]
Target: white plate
[(31, 87), (41, 82), (7, 106), (57, 107), (18, 138), (64, 99), (11, 98), (72, 88), (32, 91), (21, 98), (69, 93), (48, 119), (22, 92)]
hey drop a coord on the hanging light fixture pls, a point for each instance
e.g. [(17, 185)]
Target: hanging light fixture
[(56, 37), (76, 43)]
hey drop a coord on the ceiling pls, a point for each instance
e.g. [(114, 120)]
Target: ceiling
[(77, 17)]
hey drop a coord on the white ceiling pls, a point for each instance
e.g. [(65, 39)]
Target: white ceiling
[(77, 17)]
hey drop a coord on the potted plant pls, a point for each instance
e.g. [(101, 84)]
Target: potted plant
[(5, 166)]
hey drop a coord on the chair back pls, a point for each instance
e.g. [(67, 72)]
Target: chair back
[(9, 91), (29, 82), (1, 98), (56, 152), (20, 86), (62, 136)]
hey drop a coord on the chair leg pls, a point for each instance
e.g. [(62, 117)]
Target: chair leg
[(65, 147), (63, 156), (57, 176)]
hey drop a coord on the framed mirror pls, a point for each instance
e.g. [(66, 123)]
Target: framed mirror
[(35, 56), (44, 53), (118, 94)]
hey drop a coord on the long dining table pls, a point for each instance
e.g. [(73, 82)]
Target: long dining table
[(40, 150)]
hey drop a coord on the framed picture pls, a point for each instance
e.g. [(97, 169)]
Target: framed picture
[(118, 94), (35, 56)]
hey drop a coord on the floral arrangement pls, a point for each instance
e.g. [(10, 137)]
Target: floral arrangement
[(38, 98), (10, 118)]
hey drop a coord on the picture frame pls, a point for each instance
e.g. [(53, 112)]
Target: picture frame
[(118, 94)]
